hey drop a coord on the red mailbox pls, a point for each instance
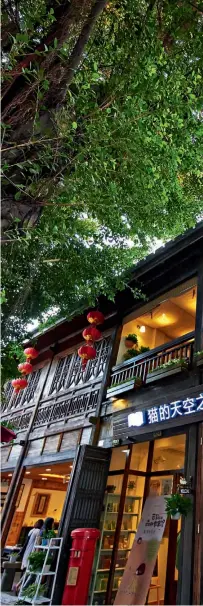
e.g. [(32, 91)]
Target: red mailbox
[(80, 566)]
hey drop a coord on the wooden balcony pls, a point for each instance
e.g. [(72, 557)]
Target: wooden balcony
[(144, 368)]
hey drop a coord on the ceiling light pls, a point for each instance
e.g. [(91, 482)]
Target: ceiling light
[(27, 472), (48, 469), (71, 466), (51, 475), (125, 451), (10, 475), (44, 478), (142, 328)]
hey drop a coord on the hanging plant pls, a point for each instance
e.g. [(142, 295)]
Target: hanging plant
[(131, 340), (177, 505)]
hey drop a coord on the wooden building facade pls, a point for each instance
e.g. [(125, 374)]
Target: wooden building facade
[(132, 425)]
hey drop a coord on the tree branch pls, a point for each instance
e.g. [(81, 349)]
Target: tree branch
[(77, 52)]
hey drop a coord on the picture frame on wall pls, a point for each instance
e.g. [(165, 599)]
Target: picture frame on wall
[(20, 495), (3, 498), (40, 505)]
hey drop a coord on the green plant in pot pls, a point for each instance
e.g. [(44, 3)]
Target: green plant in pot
[(31, 590), (177, 505), (36, 560), (130, 353), (110, 488), (143, 349), (131, 340), (131, 485), (47, 534)]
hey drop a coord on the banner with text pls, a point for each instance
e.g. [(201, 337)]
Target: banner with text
[(140, 565)]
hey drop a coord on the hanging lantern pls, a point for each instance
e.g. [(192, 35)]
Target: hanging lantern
[(86, 352), (31, 353), (91, 334), (25, 368), (95, 317), (19, 384)]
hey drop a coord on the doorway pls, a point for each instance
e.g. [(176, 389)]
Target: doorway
[(137, 471), (41, 495)]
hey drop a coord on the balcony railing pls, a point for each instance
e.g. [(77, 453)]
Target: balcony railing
[(139, 367)]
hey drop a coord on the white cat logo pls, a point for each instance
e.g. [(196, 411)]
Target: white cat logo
[(136, 419)]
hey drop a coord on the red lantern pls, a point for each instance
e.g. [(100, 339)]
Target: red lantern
[(19, 384), (31, 353), (95, 317), (25, 368), (86, 352), (91, 334)]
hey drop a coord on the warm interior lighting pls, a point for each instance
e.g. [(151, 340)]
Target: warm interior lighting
[(51, 475), (48, 469), (10, 475), (44, 478), (142, 328), (125, 451), (71, 466), (27, 472)]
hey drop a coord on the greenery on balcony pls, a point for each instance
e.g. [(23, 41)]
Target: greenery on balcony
[(170, 364)]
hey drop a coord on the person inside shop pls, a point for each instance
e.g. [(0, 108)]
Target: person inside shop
[(26, 550), (47, 526)]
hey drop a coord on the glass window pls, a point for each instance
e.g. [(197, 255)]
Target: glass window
[(169, 453), (118, 458), (139, 456)]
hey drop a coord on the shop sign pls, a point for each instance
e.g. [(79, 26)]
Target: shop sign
[(185, 487), (140, 565), (166, 412)]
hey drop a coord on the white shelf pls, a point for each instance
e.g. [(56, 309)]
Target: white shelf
[(40, 574), (40, 600), (43, 574), (127, 549), (107, 569), (47, 547)]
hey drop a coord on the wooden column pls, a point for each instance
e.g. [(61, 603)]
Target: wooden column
[(198, 553), (16, 481), (185, 581), (199, 311), (113, 350), (118, 527)]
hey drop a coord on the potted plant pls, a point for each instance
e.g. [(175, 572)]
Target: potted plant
[(177, 505), (36, 561), (130, 383), (130, 353), (131, 485), (167, 369), (31, 590), (13, 556), (110, 488), (143, 349), (131, 340), (198, 357), (47, 535)]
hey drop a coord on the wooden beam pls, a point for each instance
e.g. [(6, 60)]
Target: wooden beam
[(199, 311), (198, 521)]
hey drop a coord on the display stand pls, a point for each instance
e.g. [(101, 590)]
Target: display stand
[(52, 548), (130, 521)]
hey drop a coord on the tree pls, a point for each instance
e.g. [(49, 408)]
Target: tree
[(102, 145)]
